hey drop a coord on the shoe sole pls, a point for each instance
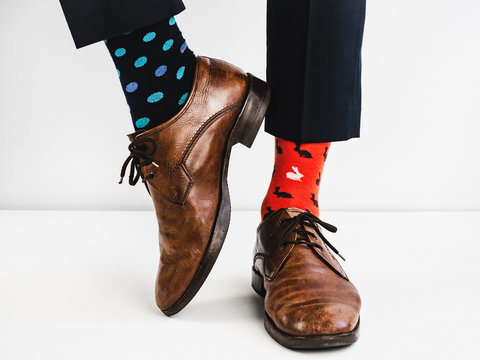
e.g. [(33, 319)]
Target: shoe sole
[(302, 342), (244, 131)]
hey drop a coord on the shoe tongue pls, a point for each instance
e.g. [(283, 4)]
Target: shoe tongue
[(325, 254), (293, 211)]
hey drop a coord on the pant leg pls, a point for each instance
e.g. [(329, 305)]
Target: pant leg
[(95, 20), (314, 67)]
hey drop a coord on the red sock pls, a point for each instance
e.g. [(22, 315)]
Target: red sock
[(296, 176)]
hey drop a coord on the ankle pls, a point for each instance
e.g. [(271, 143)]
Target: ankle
[(296, 177)]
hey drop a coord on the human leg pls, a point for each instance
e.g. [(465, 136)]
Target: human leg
[(156, 69), (184, 160), (313, 66)]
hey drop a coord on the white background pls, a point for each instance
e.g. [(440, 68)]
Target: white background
[(64, 118), (88, 293), (79, 284)]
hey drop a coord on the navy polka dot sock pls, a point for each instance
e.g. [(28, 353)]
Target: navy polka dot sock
[(156, 70)]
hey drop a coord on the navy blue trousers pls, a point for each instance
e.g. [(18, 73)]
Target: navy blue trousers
[(313, 57)]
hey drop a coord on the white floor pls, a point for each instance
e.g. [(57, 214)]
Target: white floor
[(79, 285)]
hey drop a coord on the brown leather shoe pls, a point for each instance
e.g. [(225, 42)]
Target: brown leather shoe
[(309, 301), (184, 163)]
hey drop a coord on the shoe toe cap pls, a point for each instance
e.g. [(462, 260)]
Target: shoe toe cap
[(322, 319)]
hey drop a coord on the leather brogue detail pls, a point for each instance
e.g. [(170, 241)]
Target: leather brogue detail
[(184, 164), (309, 300)]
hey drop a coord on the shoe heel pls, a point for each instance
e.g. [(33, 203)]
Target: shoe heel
[(257, 283), (253, 111)]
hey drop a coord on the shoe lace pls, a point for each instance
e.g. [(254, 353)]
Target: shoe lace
[(140, 156), (302, 224)]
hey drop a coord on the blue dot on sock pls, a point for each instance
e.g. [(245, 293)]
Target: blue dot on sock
[(171, 21), (180, 72), (149, 37), (155, 97), (142, 122), (168, 44), (140, 61), (183, 99), (161, 70), (118, 72), (132, 87), (183, 47), (120, 52)]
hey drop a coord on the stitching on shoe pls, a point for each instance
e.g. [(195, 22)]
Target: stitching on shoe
[(203, 128)]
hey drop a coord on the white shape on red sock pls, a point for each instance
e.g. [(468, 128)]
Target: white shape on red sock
[(296, 175)]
